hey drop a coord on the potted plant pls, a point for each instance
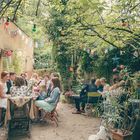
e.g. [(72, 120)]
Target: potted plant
[(118, 117), (121, 108), (135, 101)]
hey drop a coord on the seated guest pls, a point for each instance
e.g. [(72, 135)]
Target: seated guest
[(50, 103), (55, 75), (25, 76), (3, 91), (99, 85), (42, 92), (48, 84), (83, 96), (105, 86), (10, 82), (20, 88), (34, 79), (34, 82)]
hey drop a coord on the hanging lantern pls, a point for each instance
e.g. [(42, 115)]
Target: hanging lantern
[(7, 21), (124, 23), (8, 53), (34, 28)]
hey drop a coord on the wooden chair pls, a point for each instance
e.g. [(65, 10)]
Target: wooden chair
[(53, 115)]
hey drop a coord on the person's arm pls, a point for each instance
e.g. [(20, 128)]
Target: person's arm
[(1, 92), (55, 95), (84, 90), (48, 86)]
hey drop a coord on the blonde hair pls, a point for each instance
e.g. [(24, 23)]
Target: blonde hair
[(97, 81), (35, 75), (43, 87)]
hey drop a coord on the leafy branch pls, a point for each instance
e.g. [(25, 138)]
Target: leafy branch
[(15, 12)]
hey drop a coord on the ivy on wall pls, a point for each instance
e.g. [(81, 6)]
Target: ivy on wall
[(13, 63)]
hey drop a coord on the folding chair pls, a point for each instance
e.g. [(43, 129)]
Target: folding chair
[(94, 98), (53, 115)]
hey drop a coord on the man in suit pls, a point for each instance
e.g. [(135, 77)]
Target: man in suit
[(82, 99), (10, 82)]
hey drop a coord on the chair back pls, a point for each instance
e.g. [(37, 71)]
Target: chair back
[(93, 97), (93, 94)]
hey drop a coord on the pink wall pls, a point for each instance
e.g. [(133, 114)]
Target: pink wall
[(12, 38)]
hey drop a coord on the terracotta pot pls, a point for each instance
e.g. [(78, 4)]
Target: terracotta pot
[(120, 136)]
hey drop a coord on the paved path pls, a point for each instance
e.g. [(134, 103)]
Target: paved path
[(71, 127)]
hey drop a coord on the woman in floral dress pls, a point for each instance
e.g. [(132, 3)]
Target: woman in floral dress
[(20, 88)]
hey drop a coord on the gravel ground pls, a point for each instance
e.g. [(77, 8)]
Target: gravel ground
[(71, 127)]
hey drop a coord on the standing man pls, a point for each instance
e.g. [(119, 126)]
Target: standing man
[(12, 76)]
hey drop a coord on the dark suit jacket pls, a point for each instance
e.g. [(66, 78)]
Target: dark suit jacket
[(9, 85), (88, 88)]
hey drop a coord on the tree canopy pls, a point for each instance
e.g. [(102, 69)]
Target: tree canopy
[(85, 34)]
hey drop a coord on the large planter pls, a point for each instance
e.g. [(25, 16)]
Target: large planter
[(120, 136)]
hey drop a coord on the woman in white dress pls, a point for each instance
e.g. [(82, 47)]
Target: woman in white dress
[(3, 90)]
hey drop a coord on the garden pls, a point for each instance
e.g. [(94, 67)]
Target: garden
[(80, 39)]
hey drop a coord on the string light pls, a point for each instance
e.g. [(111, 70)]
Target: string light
[(7, 21), (34, 28)]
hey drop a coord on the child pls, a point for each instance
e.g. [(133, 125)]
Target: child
[(43, 94)]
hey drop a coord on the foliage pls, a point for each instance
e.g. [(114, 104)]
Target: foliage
[(61, 54), (42, 58), (15, 65), (119, 114), (121, 108), (76, 26), (86, 62)]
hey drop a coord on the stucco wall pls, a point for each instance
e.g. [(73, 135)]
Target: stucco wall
[(20, 43)]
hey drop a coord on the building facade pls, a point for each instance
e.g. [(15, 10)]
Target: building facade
[(16, 48)]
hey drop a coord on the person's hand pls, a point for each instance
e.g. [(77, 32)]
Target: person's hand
[(46, 99), (34, 98)]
